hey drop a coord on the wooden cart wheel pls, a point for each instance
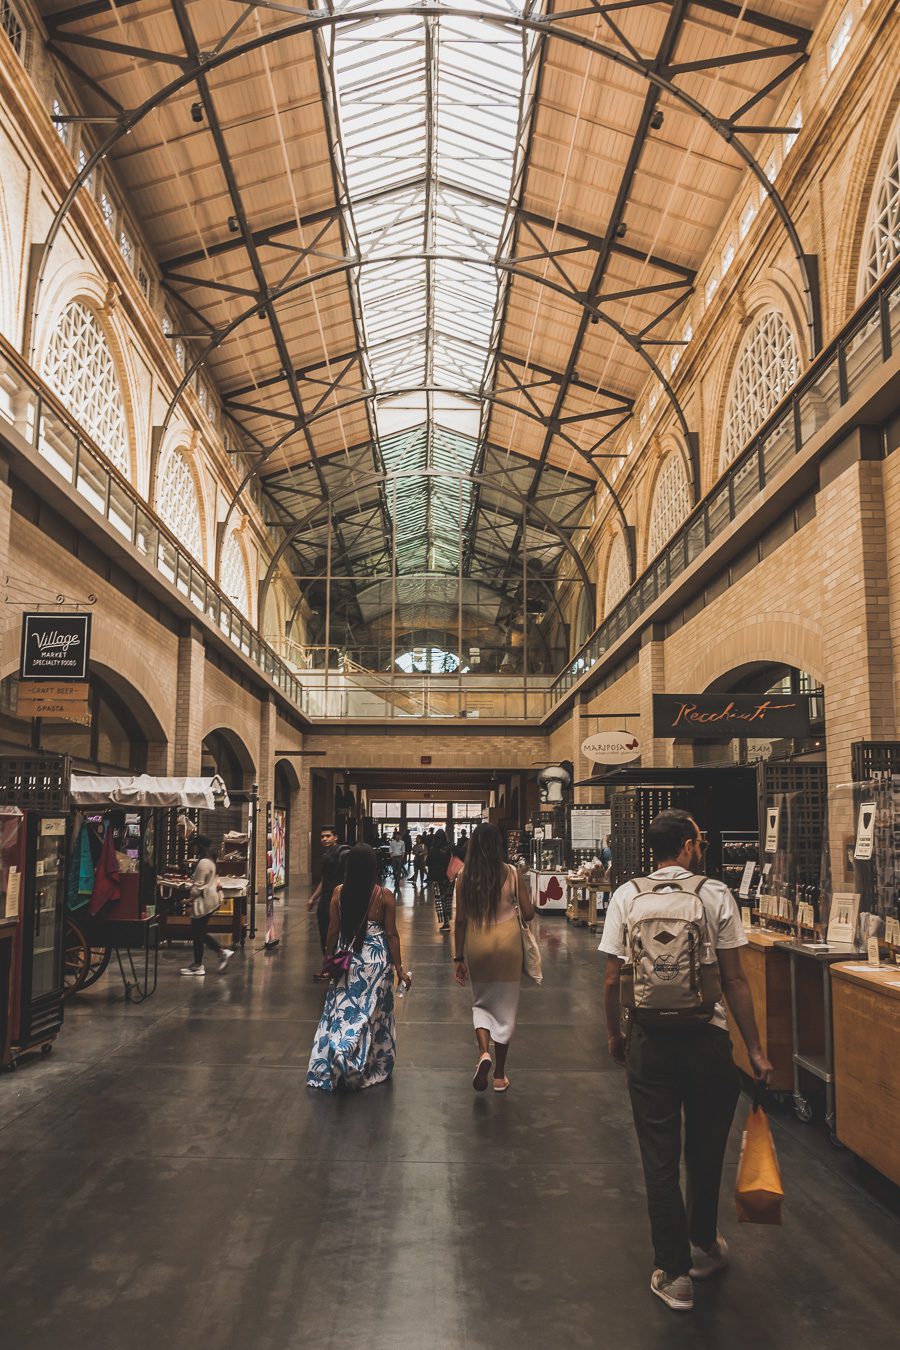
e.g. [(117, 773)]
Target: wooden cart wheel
[(84, 963)]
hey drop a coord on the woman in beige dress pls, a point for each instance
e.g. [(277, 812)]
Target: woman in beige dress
[(489, 948)]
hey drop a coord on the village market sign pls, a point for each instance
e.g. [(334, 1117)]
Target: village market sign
[(726, 717)]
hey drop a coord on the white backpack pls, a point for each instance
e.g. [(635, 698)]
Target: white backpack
[(671, 975)]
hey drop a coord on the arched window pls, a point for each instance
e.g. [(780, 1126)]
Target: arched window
[(766, 369), (177, 501), (881, 246), (618, 573), (233, 574), (671, 503), (79, 367)]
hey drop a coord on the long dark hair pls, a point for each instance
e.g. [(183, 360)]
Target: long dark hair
[(356, 893), (484, 873)]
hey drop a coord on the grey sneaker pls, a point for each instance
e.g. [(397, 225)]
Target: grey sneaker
[(227, 954), (677, 1293), (193, 970), (709, 1261)]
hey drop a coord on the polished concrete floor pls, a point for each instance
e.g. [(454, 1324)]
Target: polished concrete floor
[(167, 1181)]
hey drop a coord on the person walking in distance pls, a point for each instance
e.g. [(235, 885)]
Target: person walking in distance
[(333, 858), (206, 895), (397, 852), (488, 942), (441, 886), (676, 1049)]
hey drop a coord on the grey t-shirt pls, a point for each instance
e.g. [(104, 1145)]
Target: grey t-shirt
[(723, 920)]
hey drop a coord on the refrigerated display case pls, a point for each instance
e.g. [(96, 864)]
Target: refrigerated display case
[(33, 863)]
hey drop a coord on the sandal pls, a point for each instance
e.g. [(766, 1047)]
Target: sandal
[(501, 1084), (483, 1068)]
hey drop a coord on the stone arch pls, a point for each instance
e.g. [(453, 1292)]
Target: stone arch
[(101, 298), (776, 637), (611, 559), (226, 752)]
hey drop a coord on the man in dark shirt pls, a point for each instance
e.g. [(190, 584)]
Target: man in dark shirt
[(332, 876)]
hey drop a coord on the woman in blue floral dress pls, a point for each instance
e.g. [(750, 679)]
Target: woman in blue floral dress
[(356, 1042)]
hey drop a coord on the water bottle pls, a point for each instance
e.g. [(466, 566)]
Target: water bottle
[(401, 987)]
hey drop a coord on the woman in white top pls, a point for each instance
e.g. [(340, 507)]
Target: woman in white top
[(489, 947)]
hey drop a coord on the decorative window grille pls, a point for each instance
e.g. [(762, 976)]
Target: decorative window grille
[(671, 503), (89, 182), (882, 239), (177, 501), (687, 332), (108, 210), (79, 366), (796, 121), (654, 396), (727, 256), (771, 169), (14, 27), (126, 246), (145, 283), (629, 445), (63, 129), (233, 574), (166, 325), (618, 573), (766, 369), (747, 217), (179, 352), (840, 38), (711, 287)]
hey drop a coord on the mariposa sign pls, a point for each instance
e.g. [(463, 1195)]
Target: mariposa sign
[(724, 717), (55, 647)]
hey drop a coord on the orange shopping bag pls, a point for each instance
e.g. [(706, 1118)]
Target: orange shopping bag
[(758, 1193)]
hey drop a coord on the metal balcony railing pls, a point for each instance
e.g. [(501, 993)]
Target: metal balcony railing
[(42, 421), (865, 343)]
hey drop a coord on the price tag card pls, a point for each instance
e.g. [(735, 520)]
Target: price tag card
[(13, 890), (746, 916), (749, 869), (843, 918), (873, 952), (773, 815)]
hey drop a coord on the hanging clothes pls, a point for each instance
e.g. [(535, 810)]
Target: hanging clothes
[(106, 881), (80, 881)]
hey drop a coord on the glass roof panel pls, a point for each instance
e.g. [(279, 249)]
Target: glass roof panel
[(428, 109)]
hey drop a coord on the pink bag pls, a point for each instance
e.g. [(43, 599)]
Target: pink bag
[(454, 867)]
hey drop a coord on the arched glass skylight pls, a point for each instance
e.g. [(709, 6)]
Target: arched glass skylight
[(428, 661)]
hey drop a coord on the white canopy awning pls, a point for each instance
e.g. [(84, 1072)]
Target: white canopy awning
[(146, 790)]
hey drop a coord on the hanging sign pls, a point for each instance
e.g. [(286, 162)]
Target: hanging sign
[(865, 832), (58, 702), (773, 815), (722, 717), (55, 647), (611, 747)]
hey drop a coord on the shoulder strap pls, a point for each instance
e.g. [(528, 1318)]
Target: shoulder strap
[(695, 884), (642, 885)]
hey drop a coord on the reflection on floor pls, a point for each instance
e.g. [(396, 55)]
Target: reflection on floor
[(167, 1181)]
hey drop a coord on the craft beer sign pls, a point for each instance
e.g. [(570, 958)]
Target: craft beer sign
[(55, 647), (724, 717)]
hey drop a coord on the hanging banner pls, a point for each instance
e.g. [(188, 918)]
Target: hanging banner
[(55, 647), (611, 747), (722, 717)]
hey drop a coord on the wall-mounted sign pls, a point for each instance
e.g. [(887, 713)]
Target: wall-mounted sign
[(57, 702), (55, 647), (611, 747), (722, 717), (773, 818)]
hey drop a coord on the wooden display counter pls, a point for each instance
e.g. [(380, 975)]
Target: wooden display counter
[(866, 1010), (767, 968)]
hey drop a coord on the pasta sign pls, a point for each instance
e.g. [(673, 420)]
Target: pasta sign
[(611, 747)]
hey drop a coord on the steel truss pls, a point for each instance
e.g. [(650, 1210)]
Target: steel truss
[(522, 229)]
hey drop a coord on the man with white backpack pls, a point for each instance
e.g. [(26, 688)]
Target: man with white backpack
[(672, 941)]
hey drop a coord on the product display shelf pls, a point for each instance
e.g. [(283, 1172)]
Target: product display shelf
[(812, 1024)]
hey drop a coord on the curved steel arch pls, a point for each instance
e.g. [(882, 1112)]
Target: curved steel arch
[(546, 26), (377, 480)]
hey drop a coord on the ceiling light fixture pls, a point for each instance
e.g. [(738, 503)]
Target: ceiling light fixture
[(234, 224), (657, 119), (196, 112)]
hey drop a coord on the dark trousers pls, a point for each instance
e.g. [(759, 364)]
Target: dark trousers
[(323, 918), (202, 938), (442, 890), (670, 1073)]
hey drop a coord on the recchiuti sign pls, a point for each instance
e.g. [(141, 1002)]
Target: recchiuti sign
[(724, 717)]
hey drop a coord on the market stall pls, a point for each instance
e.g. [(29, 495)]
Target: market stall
[(866, 1010), (120, 886)]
